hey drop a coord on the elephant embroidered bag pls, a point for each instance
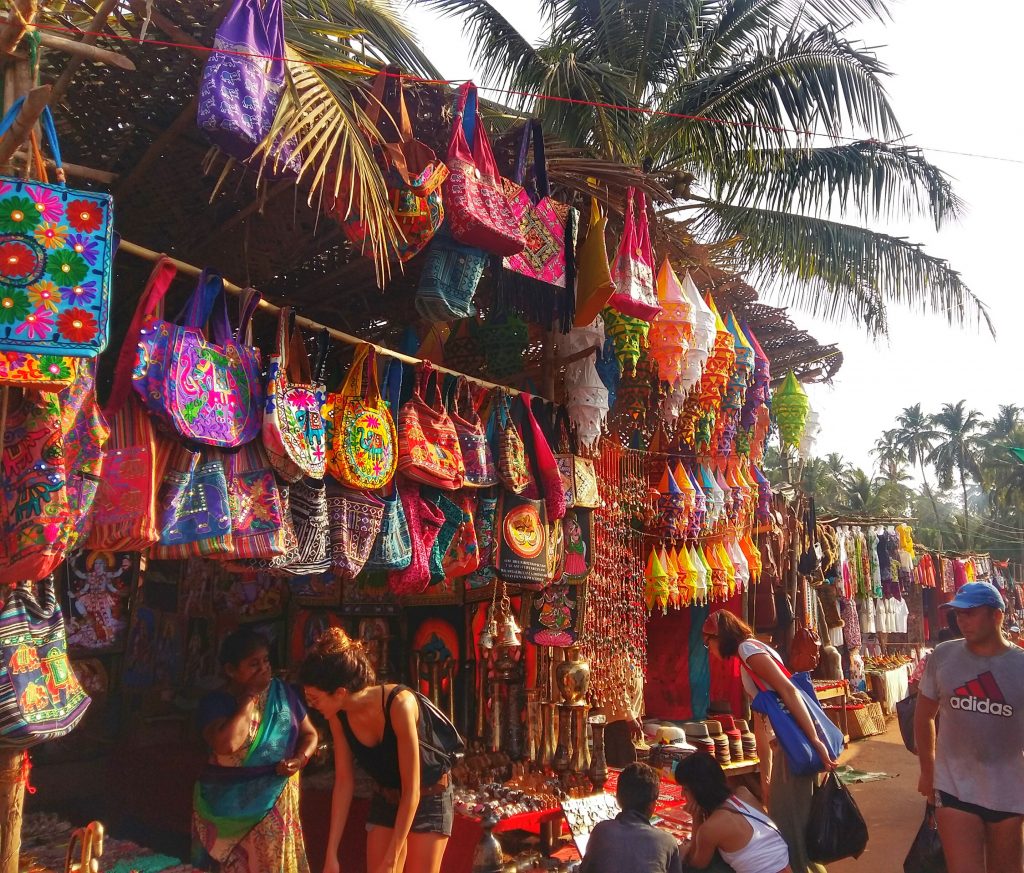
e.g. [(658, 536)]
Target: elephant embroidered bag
[(633, 270), (364, 444), (428, 446), (293, 427), (40, 696), (478, 209), (56, 255)]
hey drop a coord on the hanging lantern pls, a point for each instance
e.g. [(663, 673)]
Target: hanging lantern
[(704, 430), (671, 507), (635, 398), (672, 572), (810, 436), (743, 370), (672, 330), (581, 339), (703, 335), (757, 390), (790, 406), (701, 576), (764, 495), (687, 490), (759, 434), (586, 401), (629, 335), (699, 516), (656, 583), (720, 363), (687, 585)]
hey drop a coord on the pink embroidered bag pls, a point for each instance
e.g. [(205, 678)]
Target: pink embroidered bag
[(633, 270)]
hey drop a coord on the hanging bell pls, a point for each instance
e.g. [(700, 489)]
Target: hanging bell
[(487, 636), (510, 632)]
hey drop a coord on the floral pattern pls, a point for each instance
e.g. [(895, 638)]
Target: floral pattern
[(44, 295), (85, 246), (78, 325), (85, 216), (66, 267), (18, 215), (37, 324), (21, 260), (79, 295), (47, 203), (14, 306), (50, 235)]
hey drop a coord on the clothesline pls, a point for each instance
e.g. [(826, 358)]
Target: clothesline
[(138, 251)]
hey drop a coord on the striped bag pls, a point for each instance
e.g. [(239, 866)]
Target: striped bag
[(40, 696), (258, 528)]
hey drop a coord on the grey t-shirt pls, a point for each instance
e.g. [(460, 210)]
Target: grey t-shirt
[(629, 843), (980, 752)]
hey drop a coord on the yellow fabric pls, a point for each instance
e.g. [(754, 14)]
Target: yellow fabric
[(594, 286)]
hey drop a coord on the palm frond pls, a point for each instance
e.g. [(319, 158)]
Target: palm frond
[(877, 180), (834, 269)]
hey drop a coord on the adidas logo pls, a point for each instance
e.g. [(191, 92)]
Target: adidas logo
[(981, 695)]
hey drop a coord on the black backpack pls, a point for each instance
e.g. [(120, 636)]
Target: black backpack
[(440, 741)]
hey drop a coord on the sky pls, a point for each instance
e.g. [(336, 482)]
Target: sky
[(955, 87)]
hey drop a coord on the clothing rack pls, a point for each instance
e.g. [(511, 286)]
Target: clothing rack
[(145, 254)]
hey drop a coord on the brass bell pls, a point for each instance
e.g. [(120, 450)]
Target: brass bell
[(487, 636), (510, 632)]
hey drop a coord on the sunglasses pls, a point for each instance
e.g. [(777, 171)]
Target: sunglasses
[(707, 640)]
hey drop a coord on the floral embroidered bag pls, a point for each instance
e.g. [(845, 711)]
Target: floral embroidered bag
[(633, 270), (364, 444), (293, 427), (477, 457), (41, 372), (258, 528), (56, 254), (428, 446)]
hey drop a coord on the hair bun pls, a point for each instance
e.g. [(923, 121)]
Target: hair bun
[(334, 641)]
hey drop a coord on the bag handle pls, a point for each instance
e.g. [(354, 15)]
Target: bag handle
[(323, 350), (250, 302), (202, 312), (49, 130), (423, 374), (389, 89), (291, 349), (533, 130), (353, 384), (372, 395), (149, 308), (480, 155)]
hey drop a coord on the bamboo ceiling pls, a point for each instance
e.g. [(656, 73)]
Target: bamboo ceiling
[(140, 126)]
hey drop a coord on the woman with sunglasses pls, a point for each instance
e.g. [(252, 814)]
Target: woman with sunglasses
[(787, 796)]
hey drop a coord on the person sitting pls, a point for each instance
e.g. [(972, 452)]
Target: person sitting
[(246, 815), (629, 843), (740, 832)]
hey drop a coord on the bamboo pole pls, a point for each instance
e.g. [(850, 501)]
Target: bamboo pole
[(28, 115), (184, 120), (20, 158), (20, 16), (86, 51), (68, 73), (188, 269)]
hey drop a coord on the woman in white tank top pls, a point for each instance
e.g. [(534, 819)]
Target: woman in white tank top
[(742, 834)]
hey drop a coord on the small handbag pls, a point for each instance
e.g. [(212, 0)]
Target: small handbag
[(363, 451), (355, 518), (307, 504), (594, 285), (478, 210), (259, 528), (449, 279), (193, 506), (477, 458), (521, 536), (293, 428), (40, 696), (633, 271), (56, 260), (463, 555), (428, 446), (425, 520), (393, 549), (453, 522), (513, 470), (547, 479)]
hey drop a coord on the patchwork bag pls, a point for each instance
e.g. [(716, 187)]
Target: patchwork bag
[(449, 279), (478, 210), (477, 457), (40, 696), (193, 507), (633, 271), (293, 428), (513, 469), (258, 524), (355, 518), (36, 517), (208, 390), (428, 446), (363, 450), (56, 258)]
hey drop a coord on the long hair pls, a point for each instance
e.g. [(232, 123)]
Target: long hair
[(337, 661), (731, 632), (704, 778)]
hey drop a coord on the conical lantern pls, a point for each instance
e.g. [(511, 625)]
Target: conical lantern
[(743, 370), (810, 436), (608, 370), (672, 572), (790, 406), (672, 330), (715, 496), (724, 560), (753, 556), (580, 339), (686, 487), (629, 335), (720, 363), (757, 390), (759, 434), (764, 495), (703, 335), (687, 576), (700, 577), (699, 516), (656, 583), (586, 401), (671, 507)]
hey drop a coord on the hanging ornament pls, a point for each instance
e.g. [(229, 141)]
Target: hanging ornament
[(688, 492), (790, 406), (757, 390), (672, 572), (586, 401), (700, 576), (608, 370), (629, 335), (703, 335), (671, 507), (656, 583), (764, 495), (581, 339), (719, 365), (810, 436), (699, 516), (687, 574), (672, 330), (759, 434)]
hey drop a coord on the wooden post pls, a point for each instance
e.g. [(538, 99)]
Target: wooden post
[(12, 800)]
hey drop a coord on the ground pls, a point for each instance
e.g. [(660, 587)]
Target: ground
[(892, 808)]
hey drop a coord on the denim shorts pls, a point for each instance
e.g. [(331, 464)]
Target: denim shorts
[(434, 815)]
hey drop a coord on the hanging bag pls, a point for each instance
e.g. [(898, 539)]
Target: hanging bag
[(449, 279), (486, 510), (243, 78), (478, 210), (293, 428), (428, 447), (40, 696), (926, 855), (633, 271), (463, 555), (579, 478), (258, 525), (513, 469), (355, 518), (594, 285), (548, 479), (425, 520), (481, 471), (835, 829), (393, 549), (578, 531), (364, 444)]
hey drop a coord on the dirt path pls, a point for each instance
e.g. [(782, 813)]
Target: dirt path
[(893, 808)]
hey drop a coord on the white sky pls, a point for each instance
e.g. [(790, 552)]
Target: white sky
[(956, 86)]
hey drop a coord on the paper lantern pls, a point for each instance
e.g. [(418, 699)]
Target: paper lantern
[(580, 339), (686, 487), (586, 401), (810, 436), (699, 515), (719, 365), (764, 495), (714, 495), (703, 335), (757, 390), (687, 576), (701, 576), (635, 397), (629, 336), (743, 369), (759, 435), (656, 583), (671, 507), (608, 369), (679, 590), (790, 406), (672, 330), (672, 571)]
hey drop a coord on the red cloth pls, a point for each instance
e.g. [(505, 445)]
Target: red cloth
[(667, 692)]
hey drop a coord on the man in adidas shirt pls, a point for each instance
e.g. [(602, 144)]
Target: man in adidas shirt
[(976, 775)]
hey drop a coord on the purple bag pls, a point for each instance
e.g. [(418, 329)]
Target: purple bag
[(240, 89)]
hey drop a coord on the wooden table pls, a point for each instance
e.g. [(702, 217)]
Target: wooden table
[(841, 692)]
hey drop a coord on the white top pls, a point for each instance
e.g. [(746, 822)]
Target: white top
[(766, 852), (746, 649)]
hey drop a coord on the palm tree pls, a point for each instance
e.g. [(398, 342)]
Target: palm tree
[(914, 435), (957, 445), (715, 90)]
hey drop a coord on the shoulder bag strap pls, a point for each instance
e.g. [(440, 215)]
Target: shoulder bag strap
[(323, 350), (250, 302), (540, 164), (353, 384)]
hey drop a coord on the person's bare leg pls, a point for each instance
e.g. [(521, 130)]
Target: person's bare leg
[(963, 840), (424, 853), (1004, 846), (378, 840)]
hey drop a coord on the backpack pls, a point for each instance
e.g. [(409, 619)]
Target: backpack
[(440, 741)]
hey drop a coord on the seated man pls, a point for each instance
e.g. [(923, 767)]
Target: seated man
[(629, 843)]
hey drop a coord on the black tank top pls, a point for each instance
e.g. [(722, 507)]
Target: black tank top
[(381, 761)]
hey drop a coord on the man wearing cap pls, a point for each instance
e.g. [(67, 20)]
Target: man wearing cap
[(975, 776)]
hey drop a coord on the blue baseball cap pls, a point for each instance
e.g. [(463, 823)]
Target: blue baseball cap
[(977, 594)]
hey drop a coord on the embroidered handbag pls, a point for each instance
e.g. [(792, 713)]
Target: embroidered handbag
[(193, 506), (425, 520), (484, 574), (578, 530), (307, 505), (243, 78), (412, 173), (393, 549), (258, 527), (633, 271), (449, 279), (355, 518), (364, 443), (539, 281), (579, 479), (293, 428), (478, 210), (36, 517), (40, 696), (513, 470), (40, 372), (594, 285), (463, 555), (477, 458), (428, 447), (453, 520), (208, 390), (56, 254)]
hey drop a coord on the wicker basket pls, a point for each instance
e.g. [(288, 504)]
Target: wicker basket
[(868, 721)]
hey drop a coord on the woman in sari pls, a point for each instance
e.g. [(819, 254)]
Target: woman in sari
[(246, 813)]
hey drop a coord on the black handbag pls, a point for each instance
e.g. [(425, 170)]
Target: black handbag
[(835, 829), (440, 741), (906, 709)]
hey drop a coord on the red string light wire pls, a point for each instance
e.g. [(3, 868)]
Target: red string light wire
[(362, 70)]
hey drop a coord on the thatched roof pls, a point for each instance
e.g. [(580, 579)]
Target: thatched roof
[(140, 126)]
